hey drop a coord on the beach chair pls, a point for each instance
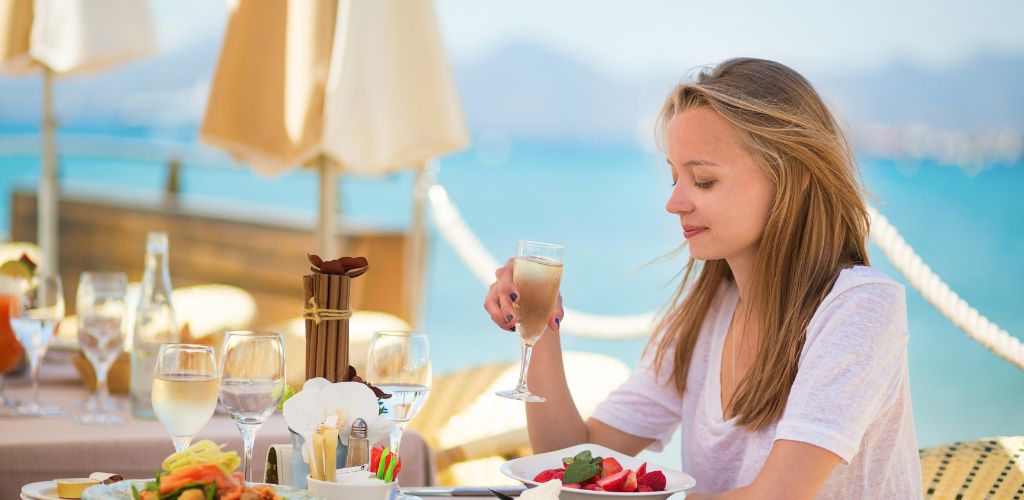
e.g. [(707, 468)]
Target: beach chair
[(985, 468)]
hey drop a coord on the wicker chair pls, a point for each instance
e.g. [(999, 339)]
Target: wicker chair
[(986, 468)]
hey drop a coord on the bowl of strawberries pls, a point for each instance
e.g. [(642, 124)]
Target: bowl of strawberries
[(589, 470)]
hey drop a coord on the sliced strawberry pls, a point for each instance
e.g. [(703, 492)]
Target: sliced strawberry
[(630, 485), (643, 488), (654, 479), (614, 482), (576, 486), (642, 470), (545, 475), (610, 466), (592, 487), (558, 473)]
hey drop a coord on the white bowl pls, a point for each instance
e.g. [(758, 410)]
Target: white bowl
[(526, 468), (351, 491)]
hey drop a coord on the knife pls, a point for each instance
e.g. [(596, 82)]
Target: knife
[(462, 491)]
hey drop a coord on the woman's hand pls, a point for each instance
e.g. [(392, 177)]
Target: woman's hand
[(503, 294)]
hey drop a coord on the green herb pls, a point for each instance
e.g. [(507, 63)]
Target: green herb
[(580, 471), (289, 391), (211, 490), (135, 493), (380, 407)]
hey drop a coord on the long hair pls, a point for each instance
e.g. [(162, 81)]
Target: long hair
[(817, 225)]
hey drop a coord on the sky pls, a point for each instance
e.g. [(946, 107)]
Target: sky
[(654, 37)]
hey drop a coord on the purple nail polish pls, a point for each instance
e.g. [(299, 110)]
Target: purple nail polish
[(512, 328), (513, 296), (508, 319), (558, 321)]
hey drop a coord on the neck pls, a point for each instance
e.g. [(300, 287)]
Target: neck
[(742, 267)]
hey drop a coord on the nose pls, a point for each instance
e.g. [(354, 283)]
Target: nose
[(679, 202)]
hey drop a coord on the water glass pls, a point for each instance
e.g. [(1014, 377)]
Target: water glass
[(37, 309), (101, 309), (251, 383), (398, 363)]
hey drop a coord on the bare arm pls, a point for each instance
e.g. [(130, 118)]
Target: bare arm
[(793, 470), (555, 423)]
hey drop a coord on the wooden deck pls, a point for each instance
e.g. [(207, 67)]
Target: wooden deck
[(258, 249)]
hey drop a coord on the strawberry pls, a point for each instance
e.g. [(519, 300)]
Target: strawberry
[(614, 482), (558, 473), (572, 485), (643, 488), (610, 466), (630, 485), (592, 487), (642, 470), (654, 479), (547, 475)]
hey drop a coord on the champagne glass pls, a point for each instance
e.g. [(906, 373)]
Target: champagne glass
[(251, 383), (101, 309), (184, 390), (399, 364), (10, 348), (537, 273), (37, 309)]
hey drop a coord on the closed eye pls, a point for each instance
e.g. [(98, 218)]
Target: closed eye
[(704, 185)]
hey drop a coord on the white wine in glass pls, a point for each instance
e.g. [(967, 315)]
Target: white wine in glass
[(184, 390), (537, 274), (251, 383), (399, 364)]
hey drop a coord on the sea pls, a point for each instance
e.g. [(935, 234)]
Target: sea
[(605, 204)]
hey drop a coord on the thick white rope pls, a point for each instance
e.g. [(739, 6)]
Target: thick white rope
[(938, 293), (480, 262)]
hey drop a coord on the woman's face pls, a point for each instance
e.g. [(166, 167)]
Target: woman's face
[(720, 194)]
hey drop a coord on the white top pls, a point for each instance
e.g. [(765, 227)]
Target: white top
[(851, 396)]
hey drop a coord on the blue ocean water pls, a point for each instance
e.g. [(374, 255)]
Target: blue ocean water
[(606, 205)]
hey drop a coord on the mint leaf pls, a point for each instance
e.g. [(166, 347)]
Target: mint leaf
[(596, 460), (580, 471), (583, 456)]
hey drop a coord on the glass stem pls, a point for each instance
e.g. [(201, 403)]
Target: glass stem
[(248, 439), (524, 368), (180, 443), (35, 362), (395, 436), (103, 392)]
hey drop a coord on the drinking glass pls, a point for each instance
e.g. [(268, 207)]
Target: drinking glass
[(184, 390), (251, 382), (100, 305), (37, 309), (398, 363), (10, 348), (537, 274)]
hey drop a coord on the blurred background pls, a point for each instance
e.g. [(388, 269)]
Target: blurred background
[(559, 100)]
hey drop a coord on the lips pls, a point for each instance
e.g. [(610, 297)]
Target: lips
[(691, 231)]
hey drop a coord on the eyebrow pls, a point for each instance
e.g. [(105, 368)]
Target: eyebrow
[(695, 163)]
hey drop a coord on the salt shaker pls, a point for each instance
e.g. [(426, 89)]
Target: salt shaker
[(358, 445)]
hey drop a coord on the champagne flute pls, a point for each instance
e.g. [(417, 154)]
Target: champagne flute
[(537, 274), (251, 383), (398, 363), (37, 309), (184, 390), (100, 304)]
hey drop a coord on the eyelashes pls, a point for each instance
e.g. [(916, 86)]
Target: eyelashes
[(704, 186)]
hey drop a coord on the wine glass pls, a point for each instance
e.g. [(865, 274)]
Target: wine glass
[(101, 309), (398, 363), (251, 382), (37, 309), (537, 274), (10, 348), (184, 390)]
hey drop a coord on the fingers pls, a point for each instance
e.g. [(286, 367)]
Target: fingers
[(501, 296), (555, 324)]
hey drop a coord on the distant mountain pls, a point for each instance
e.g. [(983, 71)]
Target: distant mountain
[(527, 92)]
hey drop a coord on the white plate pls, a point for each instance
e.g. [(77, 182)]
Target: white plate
[(43, 490), (526, 468), (122, 490)]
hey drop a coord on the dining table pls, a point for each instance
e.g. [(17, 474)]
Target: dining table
[(41, 449)]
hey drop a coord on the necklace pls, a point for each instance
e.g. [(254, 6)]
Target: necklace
[(732, 330)]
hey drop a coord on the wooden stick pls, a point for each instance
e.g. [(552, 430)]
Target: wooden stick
[(307, 292), (344, 286), (321, 331), (331, 330)]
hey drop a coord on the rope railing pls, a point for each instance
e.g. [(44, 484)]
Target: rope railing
[(481, 263)]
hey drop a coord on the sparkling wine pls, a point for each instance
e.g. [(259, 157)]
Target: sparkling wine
[(537, 279), (250, 399), (184, 402), (405, 401)]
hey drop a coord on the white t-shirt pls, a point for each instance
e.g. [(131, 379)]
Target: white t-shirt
[(851, 396)]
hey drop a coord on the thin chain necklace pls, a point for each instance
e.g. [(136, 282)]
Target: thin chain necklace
[(735, 383)]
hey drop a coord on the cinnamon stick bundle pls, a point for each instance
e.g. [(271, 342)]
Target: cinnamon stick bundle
[(326, 311)]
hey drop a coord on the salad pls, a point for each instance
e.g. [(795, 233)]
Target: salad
[(202, 472)]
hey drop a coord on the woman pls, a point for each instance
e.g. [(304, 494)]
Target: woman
[(783, 355)]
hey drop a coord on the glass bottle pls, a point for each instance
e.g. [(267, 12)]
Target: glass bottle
[(155, 324)]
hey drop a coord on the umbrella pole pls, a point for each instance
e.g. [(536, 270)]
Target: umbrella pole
[(328, 208), (47, 199), (416, 243)]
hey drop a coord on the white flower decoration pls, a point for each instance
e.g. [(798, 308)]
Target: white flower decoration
[(317, 403)]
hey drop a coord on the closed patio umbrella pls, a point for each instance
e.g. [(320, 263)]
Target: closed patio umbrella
[(346, 86), (67, 37)]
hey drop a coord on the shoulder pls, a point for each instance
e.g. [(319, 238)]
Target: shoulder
[(866, 304)]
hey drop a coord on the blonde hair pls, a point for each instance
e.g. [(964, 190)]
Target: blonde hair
[(817, 225)]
